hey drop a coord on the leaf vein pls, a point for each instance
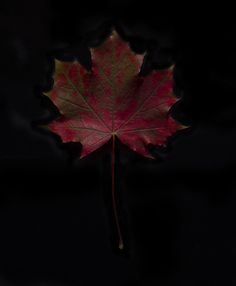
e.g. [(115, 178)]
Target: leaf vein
[(83, 98)]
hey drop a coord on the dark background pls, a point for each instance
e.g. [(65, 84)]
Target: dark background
[(177, 213)]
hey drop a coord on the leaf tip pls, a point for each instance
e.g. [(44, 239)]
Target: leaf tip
[(44, 127), (58, 65), (47, 94), (114, 34), (171, 68)]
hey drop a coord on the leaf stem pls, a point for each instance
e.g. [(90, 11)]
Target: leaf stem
[(121, 244)]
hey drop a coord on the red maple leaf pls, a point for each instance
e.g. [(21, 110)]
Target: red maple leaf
[(112, 100)]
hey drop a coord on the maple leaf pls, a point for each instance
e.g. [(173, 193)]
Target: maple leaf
[(113, 100)]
